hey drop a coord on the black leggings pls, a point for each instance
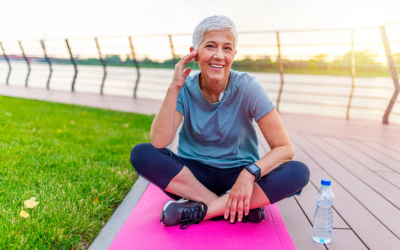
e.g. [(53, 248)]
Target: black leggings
[(160, 166)]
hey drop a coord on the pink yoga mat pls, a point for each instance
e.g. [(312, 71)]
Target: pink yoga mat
[(143, 230)]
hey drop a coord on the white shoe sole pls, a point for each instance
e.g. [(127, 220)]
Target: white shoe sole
[(182, 200)]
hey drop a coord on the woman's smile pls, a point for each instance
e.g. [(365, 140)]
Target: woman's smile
[(217, 67)]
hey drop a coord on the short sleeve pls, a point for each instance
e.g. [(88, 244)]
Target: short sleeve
[(179, 102), (257, 101)]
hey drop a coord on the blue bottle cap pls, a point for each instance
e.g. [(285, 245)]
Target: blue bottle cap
[(325, 182)]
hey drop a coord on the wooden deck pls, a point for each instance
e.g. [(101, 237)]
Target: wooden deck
[(362, 159)]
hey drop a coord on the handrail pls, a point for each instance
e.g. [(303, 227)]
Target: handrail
[(282, 63), (48, 61), (27, 63), (8, 62), (393, 72), (102, 63), (353, 72), (136, 65), (280, 71)]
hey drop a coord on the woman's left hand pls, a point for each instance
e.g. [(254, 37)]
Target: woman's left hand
[(239, 196)]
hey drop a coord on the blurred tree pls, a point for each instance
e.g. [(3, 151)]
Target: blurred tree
[(361, 57), (321, 57), (128, 59), (113, 59)]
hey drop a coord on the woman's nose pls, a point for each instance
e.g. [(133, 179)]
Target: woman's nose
[(218, 54)]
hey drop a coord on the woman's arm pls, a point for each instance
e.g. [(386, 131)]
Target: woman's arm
[(281, 151), (281, 146), (167, 120)]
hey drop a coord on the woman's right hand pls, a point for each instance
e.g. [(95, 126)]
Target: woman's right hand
[(180, 74)]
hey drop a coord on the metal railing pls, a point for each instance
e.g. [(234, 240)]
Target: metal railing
[(280, 65)]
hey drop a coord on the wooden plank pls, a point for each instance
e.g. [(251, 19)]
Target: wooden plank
[(374, 234), (341, 236), (357, 138), (345, 238), (391, 177), (395, 148), (366, 227), (379, 157), (299, 227), (341, 127), (386, 150), (375, 182), (331, 123), (308, 204), (386, 212), (365, 160), (299, 155)]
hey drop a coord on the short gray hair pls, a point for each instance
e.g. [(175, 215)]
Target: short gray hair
[(213, 23)]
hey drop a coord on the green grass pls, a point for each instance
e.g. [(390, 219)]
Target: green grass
[(65, 156)]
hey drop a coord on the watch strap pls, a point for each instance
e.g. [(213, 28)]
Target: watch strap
[(255, 170)]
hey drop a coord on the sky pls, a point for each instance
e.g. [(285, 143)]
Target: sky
[(49, 19)]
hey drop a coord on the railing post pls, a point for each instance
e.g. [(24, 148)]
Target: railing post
[(27, 63), (280, 71), (136, 65), (172, 49), (393, 72), (8, 62), (48, 61), (103, 63), (73, 62), (353, 72)]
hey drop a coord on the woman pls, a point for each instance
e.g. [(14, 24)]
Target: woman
[(218, 145)]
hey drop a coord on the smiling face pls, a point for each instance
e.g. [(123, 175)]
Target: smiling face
[(215, 55)]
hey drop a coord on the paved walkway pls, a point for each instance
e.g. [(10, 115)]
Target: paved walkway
[(125, 104), (362, 158)]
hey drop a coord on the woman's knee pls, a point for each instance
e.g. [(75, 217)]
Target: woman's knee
[(300, 172), (140, 155)]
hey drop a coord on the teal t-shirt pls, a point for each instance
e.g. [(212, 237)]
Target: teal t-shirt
[(222, 135)]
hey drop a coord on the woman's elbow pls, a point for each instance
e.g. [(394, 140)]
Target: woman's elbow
[(290, 152), (158, 142)]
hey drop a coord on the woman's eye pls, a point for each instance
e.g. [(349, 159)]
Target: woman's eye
[(229, 48), (210, 46)]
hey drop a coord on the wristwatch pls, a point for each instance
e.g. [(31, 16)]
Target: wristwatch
[(254, 169)]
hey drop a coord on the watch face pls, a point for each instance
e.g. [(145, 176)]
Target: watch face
[(253, 168)]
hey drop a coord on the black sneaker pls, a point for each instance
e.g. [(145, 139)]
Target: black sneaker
[(183, 212), (255, 215)]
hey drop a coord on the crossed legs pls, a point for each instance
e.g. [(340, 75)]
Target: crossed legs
[(186, 185), (171, 174)]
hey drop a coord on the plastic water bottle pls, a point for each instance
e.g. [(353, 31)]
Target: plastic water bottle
[(323, 216)]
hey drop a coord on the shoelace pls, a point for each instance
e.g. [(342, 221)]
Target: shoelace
[(193, 215)]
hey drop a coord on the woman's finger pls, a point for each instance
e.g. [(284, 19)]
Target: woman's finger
[(186, 72), (240, 210), (227, 208), (187, 58), (233, 210), (247, 205)]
